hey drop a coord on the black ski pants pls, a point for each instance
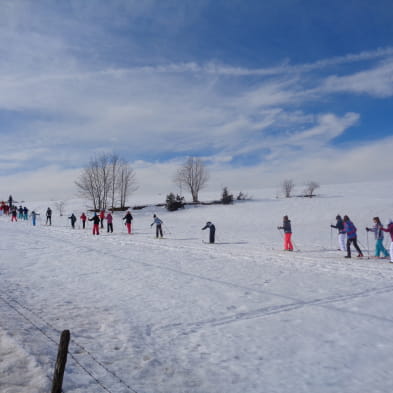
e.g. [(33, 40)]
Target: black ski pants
[(354, 241)]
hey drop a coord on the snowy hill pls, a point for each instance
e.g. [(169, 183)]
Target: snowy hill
[(179, 315)]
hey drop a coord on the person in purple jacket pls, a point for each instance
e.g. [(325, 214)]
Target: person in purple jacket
[(350, 230), (109, 222)]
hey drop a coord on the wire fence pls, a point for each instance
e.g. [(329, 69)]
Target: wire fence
[(15, 305)]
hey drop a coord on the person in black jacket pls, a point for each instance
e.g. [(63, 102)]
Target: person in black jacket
[(212, 229), (96, 224), (341, 234), (73, 220), (128, 217)]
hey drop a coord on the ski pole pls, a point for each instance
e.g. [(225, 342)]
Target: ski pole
[(331, 237), (368, 247)]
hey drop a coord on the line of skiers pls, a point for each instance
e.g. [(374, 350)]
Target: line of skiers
[(347, 231), (347, 235)]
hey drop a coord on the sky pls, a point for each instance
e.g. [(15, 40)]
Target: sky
[(261, 91)]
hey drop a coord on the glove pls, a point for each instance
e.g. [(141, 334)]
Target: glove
[(331, 226)]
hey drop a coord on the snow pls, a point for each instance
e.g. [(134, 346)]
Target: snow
[(179, 315)]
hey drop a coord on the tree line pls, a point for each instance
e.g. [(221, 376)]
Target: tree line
[(108, 181)]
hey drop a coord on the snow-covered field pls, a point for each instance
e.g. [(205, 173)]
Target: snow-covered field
[(179, 315)]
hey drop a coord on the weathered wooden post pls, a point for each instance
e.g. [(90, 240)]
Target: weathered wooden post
[(61, 361)]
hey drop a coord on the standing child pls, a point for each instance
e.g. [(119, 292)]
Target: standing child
[(128, 217), (212, 229), (83, 219), (390, 230), (350, 230), (102, 216), (73, 220), (158, 223), (378, 233), (96, 224), (341, 234), (286, 226), (49, 216), (34, 217), (109, 222)]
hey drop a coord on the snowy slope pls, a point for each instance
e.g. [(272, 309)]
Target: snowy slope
[(179, 315)]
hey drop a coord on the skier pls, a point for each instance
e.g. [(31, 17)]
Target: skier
[(341, 234), (212, 229), (350, 230), (25, 213), (102, 216), (96, 224), (83, 219), (49, 216), (14, 214), (286, 226), (390, 230), (73, 220), (128, 217), (378, 233), (109, 221), (20, 213), (158, 223), (34, 217)]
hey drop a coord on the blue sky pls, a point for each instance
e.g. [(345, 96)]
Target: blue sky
[(263, 91)]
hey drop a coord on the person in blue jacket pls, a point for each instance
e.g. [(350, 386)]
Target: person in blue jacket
[(350, 230), (212, 229), (34, 217), (158, 223)]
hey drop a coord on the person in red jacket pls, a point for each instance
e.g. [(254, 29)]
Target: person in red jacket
[(83, 219), (390, 230), (102, 217), (96, 224)]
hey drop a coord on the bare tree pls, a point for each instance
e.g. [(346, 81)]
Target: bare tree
[(287, 187), (60, 205), (311, 186), (106, 177), (125, 182), (194, 175)]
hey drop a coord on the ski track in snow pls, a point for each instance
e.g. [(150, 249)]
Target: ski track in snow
[(179, 315)]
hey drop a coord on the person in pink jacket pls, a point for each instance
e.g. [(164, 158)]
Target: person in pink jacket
[(109, 222), (390, 230)]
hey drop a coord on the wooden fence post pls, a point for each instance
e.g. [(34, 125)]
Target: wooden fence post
[(61, 361)]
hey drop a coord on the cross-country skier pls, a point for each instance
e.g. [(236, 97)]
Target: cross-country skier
[(49, 216), (350, 230), (73, 220), (109, 222), (128, 217), (341, 234), (378, 233), (34, 217), (286, 226), (83, 219), (212, 229), (96, 224), (390, 230), (14, 214), (25, 213), (158, 223), (102, 216)]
